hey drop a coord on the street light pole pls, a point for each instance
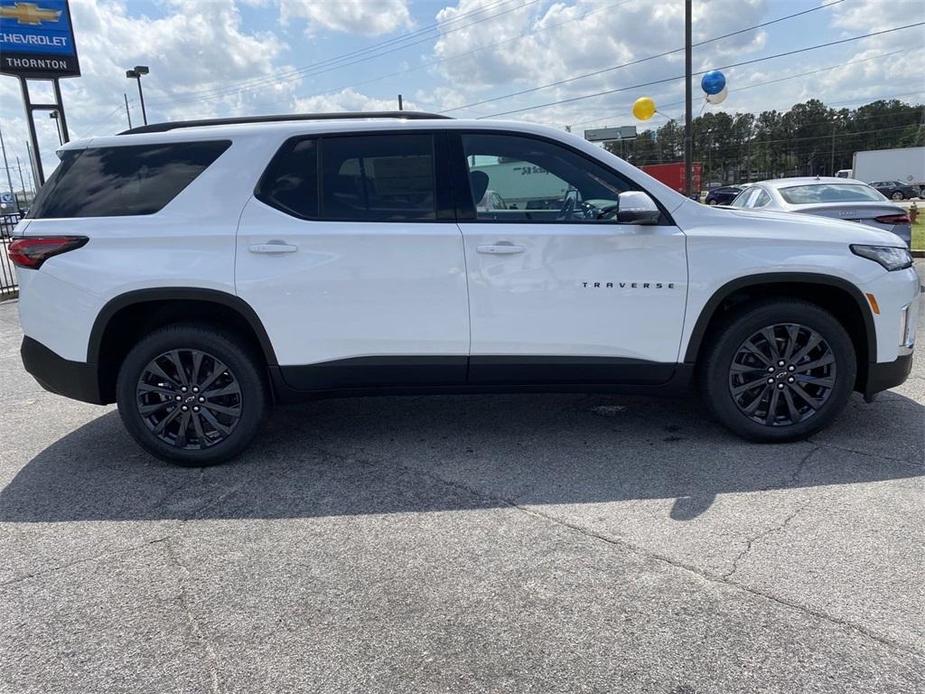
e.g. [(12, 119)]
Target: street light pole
[(688, 103), (136, 73)]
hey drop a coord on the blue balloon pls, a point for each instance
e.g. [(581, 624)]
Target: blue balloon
[(713, 82)]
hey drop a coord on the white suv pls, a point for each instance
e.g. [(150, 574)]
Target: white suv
[(197, 272)]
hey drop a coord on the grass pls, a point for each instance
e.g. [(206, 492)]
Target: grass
[(918, 234)]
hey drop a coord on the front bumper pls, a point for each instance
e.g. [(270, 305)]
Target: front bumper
[(886, 375), (72, 379)]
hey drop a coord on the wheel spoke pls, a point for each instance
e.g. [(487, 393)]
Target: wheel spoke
[(768, 334), (210, 418), (151, 388), (145, 410), (744, 368), (221, 409), (155, 368), (772, 408), (814, 340), (197, 427), (180, 441), (793, 334), (197, 364), (809, 366), (166, 420), (217, 370), (823, 381), (174, 357), (815, 403), (230, 389), (753, 349), (792, 410), (738, 390), (757, 401)]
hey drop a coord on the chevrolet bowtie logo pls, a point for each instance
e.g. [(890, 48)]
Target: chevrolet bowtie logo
[(29, 13)]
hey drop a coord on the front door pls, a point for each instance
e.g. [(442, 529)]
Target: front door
[(353, 261), (559, 291)]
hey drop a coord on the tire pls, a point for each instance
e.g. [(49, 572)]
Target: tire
[(712, 202), (822, 379), (897, 195), (219, 421)]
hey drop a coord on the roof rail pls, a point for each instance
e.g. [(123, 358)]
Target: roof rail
[(164, 127)]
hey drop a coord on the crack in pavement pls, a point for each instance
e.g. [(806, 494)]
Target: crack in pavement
[(82, 560), (637, 549), (193, 623), (750, 541)]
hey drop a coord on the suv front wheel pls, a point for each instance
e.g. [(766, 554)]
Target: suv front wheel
[(781, 371), (191, 395)]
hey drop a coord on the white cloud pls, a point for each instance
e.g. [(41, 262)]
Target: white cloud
[(367, 17), (348, 100)]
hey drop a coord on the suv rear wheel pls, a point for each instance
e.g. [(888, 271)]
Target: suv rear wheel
[(780, 371), (191, 395)]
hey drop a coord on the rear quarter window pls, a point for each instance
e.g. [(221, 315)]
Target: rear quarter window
[(121, 181)]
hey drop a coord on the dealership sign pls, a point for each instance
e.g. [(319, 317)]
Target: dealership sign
[(37, 39)]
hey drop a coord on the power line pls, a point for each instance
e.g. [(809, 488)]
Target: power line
[(638, 61), (701, 72), (330, 64), (773, 81)]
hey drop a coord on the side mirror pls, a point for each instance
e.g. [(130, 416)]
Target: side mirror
[(637, 207)]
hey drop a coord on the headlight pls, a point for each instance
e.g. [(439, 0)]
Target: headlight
[(889, 257)]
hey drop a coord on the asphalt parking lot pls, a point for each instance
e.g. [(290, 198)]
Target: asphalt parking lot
[(543, 543)]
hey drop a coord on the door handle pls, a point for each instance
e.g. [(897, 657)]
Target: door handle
[(502, 249), (273, 247)]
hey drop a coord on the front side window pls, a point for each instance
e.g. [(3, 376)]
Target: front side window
[(381, 178), (537, 181), (120, 181)]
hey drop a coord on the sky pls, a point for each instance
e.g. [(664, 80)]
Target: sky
[(211, 58)]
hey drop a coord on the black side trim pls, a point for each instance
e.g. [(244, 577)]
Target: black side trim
[(523, 370), (373, 372), (72, 379), (887, 375), (177, 294), (721, 294)]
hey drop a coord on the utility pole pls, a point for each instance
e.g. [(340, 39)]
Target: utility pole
[(128, 114), (688, 103), (832, 162), (400, 105), (6, 165)]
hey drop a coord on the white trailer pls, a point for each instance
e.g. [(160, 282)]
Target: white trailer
[(906, 165)]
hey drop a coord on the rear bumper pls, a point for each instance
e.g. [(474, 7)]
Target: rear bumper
[(72, 379), (886, 375)]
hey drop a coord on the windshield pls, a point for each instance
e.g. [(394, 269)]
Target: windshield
[(829, 192)]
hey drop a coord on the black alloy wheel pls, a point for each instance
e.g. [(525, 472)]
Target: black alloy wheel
[(782, 374)]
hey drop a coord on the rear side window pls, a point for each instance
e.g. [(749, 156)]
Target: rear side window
[(379, 178), (121, 181), (290, 182)]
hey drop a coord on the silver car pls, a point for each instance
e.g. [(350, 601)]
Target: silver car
[(841, 198)]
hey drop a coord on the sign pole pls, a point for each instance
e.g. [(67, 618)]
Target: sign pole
[(62, 119), (33, 137), (128, 114)]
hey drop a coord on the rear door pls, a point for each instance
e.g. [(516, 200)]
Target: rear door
[(559, 291), (350, 255)]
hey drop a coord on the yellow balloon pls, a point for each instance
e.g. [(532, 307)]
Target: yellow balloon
[(644, 108)]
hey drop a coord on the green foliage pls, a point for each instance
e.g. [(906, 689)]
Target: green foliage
[(810, 139)]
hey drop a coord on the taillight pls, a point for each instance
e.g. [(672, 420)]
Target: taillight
[(893, 219), (30, 252)]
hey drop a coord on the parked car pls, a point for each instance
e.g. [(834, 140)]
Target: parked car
[(895, 190), (723, 195), (839, 198), (198, 272)]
